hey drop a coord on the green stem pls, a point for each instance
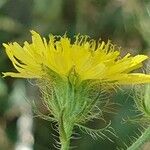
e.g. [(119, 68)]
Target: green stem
[(65, 132), (65, 145), (145, 137), (64, 138)]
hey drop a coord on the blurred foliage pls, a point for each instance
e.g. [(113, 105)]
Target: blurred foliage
[(126, 23)]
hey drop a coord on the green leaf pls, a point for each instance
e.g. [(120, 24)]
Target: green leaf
[(101, 133)]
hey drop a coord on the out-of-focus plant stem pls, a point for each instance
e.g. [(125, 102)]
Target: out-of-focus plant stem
[(145, 137)]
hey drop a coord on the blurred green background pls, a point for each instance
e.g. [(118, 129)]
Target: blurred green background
[(126, 23)]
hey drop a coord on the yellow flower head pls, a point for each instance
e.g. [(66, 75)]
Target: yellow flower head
[(90, 60)]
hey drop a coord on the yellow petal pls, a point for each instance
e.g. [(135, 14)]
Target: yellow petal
[(90, 60)]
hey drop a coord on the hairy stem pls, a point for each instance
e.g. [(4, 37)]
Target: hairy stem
[(64, 139), (65, 145), (65, 132), (145, 137)]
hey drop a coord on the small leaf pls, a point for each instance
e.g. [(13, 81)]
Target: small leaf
[(95, 133)]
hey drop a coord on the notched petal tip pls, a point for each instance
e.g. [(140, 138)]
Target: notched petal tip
[(4, 75), (5, 45), (11, 74), (142, 57), (34, 33), (14, 74)]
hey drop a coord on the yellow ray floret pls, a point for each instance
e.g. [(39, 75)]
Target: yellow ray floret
[(89, 59)]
